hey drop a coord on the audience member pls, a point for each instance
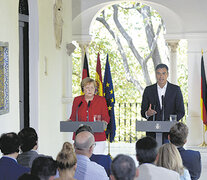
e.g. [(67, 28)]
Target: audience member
[(9, 168), (44, 167), (103, 160), (191, 159), (29, 138), (123, 168), (146, 152), (86, 169), (66, 162), (169, 157), (28, 177)]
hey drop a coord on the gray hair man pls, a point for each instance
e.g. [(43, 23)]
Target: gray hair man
[(86, 169)]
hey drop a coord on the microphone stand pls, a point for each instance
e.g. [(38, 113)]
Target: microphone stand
[(163, 107), (77, 110), (89, 102)]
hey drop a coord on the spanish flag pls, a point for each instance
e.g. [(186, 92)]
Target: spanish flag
[(98, 78), (203, 93)]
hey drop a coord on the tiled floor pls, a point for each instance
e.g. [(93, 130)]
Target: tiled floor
[(127, 148)]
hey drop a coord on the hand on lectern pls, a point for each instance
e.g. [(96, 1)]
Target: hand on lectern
[(105, 124), (150, 111)]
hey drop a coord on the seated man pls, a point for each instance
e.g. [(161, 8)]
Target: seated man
[(86, 169), (103, 160), (123, 167), (9, 168), (44, 167), (191, 159), (29, 138), (146, 153)]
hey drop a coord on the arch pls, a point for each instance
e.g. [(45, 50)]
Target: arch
[(83, 18)]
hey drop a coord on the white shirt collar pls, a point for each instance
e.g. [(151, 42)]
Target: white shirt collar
[(164, 87)]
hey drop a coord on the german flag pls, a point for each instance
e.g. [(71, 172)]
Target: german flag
[(85, 72), (98, 78), (203, 93)]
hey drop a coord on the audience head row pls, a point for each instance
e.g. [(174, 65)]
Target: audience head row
[(26, 139)]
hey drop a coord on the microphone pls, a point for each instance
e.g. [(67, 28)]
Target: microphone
[(77, 110), (89, 103), (163, 112)]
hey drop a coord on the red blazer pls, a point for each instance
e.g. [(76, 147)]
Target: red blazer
[(97, 106)]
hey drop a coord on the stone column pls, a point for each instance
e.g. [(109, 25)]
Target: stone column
[(194, 122), (84, 45), (173, 44)]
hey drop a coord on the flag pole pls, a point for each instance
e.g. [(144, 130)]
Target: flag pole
[(109, 148), (204, 131)]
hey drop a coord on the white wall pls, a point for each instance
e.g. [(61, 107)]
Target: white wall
[(194, 122), (9, 33), (53, 86)]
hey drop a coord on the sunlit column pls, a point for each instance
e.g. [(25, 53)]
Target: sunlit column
[(84, 49), (194, 122), (173, 44)]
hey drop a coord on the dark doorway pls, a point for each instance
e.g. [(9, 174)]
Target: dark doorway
[(24, 63)]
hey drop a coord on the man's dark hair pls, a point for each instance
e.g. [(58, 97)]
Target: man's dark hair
[(178, 134), (123, 167), (44, 167), (160, 66), (29, 138), (9, 143), (84, 128), (146, 150), (28, 177)]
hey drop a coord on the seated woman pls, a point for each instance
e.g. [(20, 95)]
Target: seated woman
[(169, 157), (66, 162), (91, 107)]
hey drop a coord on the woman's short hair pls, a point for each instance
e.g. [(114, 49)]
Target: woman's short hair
[(169, 157), (86, 81), (178, 134), (66, 158)]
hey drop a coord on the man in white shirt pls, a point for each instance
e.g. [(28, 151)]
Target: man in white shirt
[(146, 153), (162, 99)]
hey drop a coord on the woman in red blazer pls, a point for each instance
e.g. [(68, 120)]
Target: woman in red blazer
[(90, 107)]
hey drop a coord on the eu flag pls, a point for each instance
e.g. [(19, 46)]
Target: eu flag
[(110, 99)]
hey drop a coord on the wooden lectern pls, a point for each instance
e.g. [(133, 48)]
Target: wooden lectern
[(72, 126), (158, 127)]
